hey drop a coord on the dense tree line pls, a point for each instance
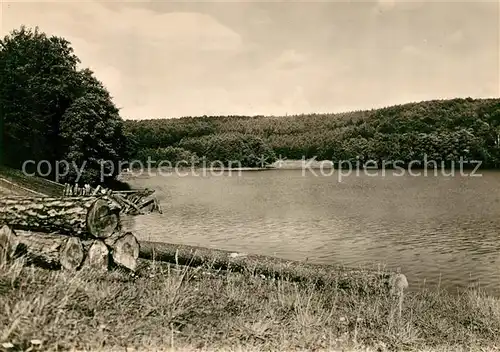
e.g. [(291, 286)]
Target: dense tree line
[(231, 149), (52, 111), (441, 130)]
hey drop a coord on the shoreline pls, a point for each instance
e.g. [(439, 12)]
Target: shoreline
[(301, 164), (369, 171)]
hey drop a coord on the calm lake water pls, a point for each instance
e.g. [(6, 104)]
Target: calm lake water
[(438, 230)]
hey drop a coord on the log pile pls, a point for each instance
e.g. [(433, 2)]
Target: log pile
[(66, 232), (365, 281), (134, 202)]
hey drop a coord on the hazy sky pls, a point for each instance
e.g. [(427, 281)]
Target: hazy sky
[(166, 59)]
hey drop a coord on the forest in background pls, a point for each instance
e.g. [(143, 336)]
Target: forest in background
[(442, 130)]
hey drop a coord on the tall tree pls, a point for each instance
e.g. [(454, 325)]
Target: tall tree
[(92, 133), (37, 84), (51, 111)]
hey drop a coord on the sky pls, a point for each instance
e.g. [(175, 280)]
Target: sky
[(173, 59)]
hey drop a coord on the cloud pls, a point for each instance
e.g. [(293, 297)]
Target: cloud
[(183, 31), (290, 58), (142, 56)]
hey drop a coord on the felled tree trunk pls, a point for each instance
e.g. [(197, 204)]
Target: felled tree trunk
[(52, 251), (97, 255), (75, 216), (269, 267), (124, 249)]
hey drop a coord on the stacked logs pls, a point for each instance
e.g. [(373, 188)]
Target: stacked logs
[(134, 202), (66, 232)]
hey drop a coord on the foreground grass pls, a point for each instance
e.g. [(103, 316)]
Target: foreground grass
[(170, 308)]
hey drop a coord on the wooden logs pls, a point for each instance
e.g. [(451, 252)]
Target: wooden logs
[(124, 249), (268, 267), (50, 250), (76, 216), (68, 232), (133, 202), (58, 251), (102, 220), (128, 206)]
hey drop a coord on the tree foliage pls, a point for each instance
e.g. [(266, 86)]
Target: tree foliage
[(51, 110), (166, 157), (231, 149)]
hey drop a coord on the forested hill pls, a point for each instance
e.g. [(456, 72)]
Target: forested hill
[(443, 130)]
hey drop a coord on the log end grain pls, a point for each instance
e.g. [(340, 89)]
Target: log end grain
[(97, 256), (125, 251), (102, 219), (71, 254), (51, 251)]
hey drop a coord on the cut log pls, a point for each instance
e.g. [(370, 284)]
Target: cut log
[(129, 203), (124, 250), (97, 255), (8, 244), (74, 216), (103, 220), (53, 251), (366, 281), (149, 206)]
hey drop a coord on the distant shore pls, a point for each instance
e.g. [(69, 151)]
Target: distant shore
[(305, 164), (283, 165)]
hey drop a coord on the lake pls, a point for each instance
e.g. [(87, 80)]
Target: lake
[(439, 230)]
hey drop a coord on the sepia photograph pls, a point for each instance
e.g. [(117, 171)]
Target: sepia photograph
[(250, 175)]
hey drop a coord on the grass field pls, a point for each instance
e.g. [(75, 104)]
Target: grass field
[(166, 307)]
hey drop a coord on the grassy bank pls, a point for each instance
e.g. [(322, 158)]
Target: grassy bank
[(168, 307)]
